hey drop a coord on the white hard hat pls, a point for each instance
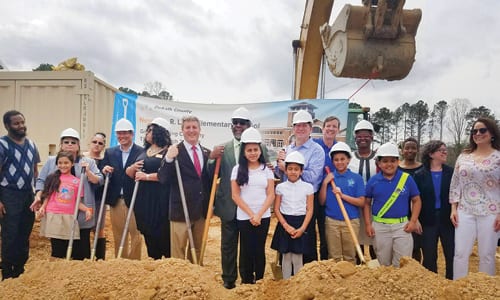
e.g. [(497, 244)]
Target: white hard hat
[(70, 132), (251, 135), (363, 125), (295, 157), (387, 150), (341, 147), (302, 116), (160, 122), (241, 113), (124, 125)]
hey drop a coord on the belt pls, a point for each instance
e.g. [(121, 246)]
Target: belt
[(390, 220)]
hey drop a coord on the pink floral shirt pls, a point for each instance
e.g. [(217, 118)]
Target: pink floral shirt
[(476, 186)]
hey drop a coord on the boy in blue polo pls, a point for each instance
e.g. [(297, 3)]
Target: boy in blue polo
[(386, 208), (351, 190)]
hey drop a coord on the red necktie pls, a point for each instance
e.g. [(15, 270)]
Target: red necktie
[(196, 161)]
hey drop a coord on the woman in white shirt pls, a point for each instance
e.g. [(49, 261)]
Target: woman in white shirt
[(474, 196), (252, 186)]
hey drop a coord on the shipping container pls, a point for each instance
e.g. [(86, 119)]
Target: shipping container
[(54, 100)]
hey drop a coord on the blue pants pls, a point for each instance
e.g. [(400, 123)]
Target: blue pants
[(17, 224)]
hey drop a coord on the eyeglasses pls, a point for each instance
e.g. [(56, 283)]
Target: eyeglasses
[(66, 142), (480, 130), (97, 142), (240, 121), (363, 137), (442, 150)]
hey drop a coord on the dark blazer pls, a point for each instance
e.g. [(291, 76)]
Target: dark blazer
[(224, 206), (423, 179), (196, 189), (118, 179)]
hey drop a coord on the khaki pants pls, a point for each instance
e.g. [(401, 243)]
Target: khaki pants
[(179, 239), (339, 240), (391, 243), (133, 242)]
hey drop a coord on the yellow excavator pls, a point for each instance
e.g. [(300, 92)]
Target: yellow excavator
[(372, 41)]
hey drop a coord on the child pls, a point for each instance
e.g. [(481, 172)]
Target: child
[(59, 199), (391, 191), (294, 209), (252, 189), (351, 190)]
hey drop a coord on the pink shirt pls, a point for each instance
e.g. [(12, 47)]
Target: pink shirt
[(64, 200)]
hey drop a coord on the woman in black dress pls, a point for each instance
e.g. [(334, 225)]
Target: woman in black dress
[(151, 206)]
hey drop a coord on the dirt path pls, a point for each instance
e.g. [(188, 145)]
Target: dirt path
[(177, 279)]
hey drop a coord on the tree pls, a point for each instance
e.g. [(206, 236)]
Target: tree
[(383, 117), (477, 112), (397, 117), (354, 105), (419, 116), (457, 122), (439, 114), (155, 89), (44, 67), (127, 90)]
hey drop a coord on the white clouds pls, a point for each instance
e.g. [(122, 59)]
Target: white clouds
[(239, 51)]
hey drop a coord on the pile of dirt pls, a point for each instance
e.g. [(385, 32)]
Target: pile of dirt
[(177, 279)]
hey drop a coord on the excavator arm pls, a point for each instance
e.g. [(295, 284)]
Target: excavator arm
[(376, 41)]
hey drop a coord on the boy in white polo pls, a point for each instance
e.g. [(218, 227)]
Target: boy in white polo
[(391, 190)]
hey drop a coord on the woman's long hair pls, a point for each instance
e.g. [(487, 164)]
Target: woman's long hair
[(160, 137), (429, 148), (492, 128), (242, 177), (53, 181)]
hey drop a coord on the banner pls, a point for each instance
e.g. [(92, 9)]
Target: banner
[(272, 119)]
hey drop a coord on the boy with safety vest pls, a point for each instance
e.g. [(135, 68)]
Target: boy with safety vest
[(386, 210)]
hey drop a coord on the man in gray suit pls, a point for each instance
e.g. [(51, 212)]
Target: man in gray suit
[(225, 208)]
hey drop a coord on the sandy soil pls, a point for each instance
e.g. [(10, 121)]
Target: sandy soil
[(177, 279)]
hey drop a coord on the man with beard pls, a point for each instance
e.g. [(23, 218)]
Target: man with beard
[(225, 208), (18, 169)]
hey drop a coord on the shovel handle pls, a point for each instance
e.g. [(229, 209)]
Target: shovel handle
[(346, 218)]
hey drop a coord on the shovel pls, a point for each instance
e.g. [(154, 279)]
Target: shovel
[(210, 211), (69, 250), (186, 212), (371, 263), (127, 222), (99, 218), (276, 267)]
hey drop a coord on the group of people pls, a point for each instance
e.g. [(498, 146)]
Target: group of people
[(396, 207)]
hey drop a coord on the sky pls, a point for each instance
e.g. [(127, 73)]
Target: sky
[(222, 51)]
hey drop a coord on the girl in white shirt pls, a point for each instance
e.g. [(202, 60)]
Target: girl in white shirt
[(252, 186)]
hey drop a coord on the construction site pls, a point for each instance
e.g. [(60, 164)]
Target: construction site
[(366, 41)]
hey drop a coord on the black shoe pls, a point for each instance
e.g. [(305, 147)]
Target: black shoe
[(229, 285)]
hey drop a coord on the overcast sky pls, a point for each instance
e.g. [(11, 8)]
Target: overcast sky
[(222, 51)]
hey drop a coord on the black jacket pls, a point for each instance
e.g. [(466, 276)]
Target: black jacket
[(423, 179)]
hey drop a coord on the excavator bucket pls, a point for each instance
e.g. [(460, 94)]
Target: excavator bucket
[(360, 44)]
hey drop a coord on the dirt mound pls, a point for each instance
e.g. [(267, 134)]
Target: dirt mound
[(177, 279)]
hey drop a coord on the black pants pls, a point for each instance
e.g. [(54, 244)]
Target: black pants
[(158, 245), (417, 247), (80, 248), (311, 254), (17, 224), (229, 250), (252, 250), (430, 236)]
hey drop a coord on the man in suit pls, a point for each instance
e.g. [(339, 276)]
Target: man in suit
[(116, 160), (192, 159), (225, 208)]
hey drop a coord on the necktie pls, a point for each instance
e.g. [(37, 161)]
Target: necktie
[(196, 161)]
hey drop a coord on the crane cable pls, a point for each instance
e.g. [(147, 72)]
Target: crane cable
[(373, 75)]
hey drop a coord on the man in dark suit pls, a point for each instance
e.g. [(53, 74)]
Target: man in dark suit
[(192, 159), (116, 160), (225, 208)]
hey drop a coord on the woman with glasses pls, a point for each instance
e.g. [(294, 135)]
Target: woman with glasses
[(70, 142), (475, 198), (96, 152), (433, 181), (152, 204)]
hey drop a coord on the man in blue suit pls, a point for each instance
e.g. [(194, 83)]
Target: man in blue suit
[(116, 160)]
